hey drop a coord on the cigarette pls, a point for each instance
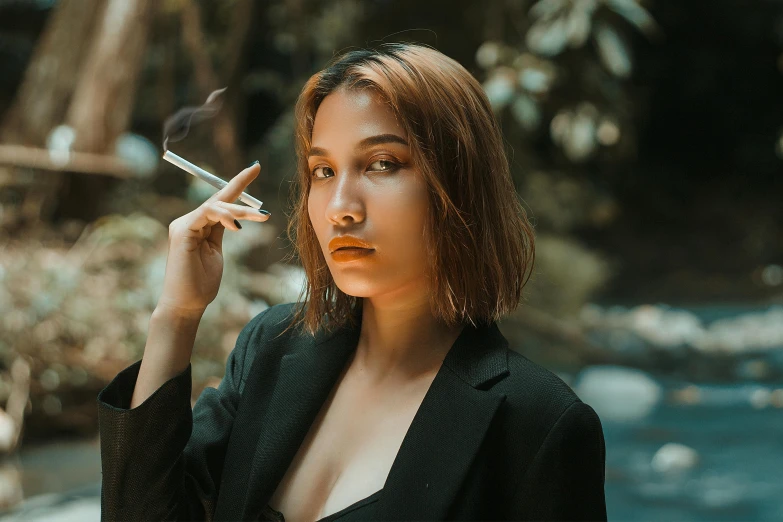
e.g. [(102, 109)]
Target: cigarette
[(209, 178)]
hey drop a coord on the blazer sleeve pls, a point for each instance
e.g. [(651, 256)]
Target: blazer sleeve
[(161, 460), (565, 480)]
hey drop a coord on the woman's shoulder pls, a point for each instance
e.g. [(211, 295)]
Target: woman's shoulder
[(266, 335), (534, 379), (271, 322), (536, 393), (277, 316)]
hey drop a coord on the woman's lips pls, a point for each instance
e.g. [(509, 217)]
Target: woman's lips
[(351, 254)]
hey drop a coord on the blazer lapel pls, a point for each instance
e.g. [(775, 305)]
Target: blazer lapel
[(435, 454), (447, 430), (306, 378)]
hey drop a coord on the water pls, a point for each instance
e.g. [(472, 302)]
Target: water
[(60, 481), (739, 475)]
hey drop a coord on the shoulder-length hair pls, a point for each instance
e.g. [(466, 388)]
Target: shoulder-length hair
[(480, 243)]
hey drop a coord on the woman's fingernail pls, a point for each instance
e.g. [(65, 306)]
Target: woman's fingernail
[(265, 212), (237, 224), (256, 161)]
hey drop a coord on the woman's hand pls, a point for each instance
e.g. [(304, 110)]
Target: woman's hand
[(194, 266)]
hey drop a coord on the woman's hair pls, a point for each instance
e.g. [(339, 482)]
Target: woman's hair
[(479, 241)]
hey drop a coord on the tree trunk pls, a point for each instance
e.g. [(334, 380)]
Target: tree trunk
[(42, 101), (104, 98), (105, 94), (50, 79)]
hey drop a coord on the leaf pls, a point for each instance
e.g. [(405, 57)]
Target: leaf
[(546, 9), (526, 112), (613, 51), (488, 55), (578, 26), (580, 142), (499, 89), (534, 80), (558, 127), (634, 14), (548, 39), (608, 132)]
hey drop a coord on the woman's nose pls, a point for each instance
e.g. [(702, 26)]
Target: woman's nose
[(345, 201)]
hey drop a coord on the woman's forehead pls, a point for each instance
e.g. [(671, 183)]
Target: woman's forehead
[(353, 114)]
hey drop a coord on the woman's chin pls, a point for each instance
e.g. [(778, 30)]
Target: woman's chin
[(354, 287), (353, 293)]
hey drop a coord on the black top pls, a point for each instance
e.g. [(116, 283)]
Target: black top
[(359, 510), (496, 437)]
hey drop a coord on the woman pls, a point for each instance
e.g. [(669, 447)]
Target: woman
[(389, 393)]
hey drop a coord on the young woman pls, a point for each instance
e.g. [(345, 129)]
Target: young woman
[(388, 393)]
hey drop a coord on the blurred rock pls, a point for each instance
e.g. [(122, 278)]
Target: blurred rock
[(746, 347), (689, 395), (666, 327), (761, 398), (617, 393), (674, 457), (727, 396)]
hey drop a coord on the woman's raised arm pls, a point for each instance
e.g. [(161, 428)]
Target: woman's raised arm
[(161, 460)]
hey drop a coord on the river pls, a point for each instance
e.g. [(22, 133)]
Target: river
[(722, 459)]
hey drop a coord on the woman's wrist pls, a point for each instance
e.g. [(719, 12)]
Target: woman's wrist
[(176, 314)]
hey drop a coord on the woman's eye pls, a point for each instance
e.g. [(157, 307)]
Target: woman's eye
[(390, 166), (383, 165), (316, 170)]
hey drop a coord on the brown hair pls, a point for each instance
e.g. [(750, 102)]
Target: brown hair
[(483, 251)]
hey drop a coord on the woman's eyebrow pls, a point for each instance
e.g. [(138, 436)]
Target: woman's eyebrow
[(364, 144)]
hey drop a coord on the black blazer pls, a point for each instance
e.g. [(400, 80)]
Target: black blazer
[(496, 437)]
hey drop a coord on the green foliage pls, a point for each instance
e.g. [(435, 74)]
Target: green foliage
[(552, 77), (554, 83)]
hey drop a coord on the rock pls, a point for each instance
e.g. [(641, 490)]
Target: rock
[(617, 393), (760, 398), (689, 395), (727, 396), (674, 457), (776, 398), (665, 327)]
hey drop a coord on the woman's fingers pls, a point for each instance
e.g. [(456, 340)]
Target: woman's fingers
[(219, 207), (213, 212), (237, 184), (243, 211)]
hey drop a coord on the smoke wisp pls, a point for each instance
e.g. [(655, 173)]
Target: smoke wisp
[(177, 126)]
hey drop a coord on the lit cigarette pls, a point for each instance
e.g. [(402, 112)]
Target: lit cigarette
[(209, 178)]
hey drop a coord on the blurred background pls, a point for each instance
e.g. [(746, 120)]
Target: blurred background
[(645, 139)]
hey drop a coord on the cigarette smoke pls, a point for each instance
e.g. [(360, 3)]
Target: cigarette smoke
[(176, 127)]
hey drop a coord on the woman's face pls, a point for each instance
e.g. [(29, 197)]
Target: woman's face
[(363, 185)]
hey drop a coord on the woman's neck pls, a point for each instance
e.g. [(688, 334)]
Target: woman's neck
[(401, 340)]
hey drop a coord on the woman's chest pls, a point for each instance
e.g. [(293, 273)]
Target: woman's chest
[(348, 451)]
